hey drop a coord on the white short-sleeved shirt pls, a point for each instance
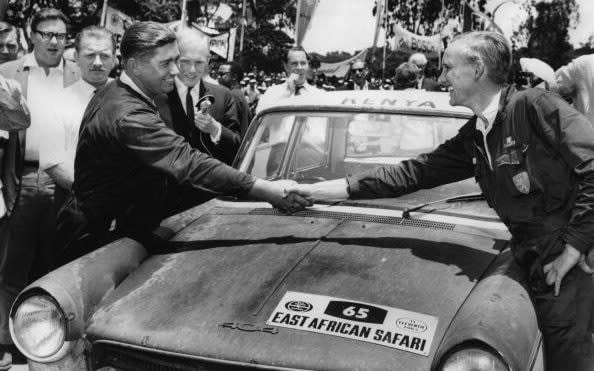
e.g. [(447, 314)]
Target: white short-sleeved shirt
[(60, 132), (577, 78)]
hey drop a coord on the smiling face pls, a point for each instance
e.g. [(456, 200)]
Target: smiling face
[(154, 73), (95, 59), (459, 76), (193, 60), (48, 52)]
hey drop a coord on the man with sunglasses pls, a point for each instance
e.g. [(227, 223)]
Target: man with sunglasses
[(213, 130), (358, 77), (32, 223), (230, 73)]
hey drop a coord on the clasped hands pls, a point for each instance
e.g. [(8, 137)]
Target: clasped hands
[(291, 196)]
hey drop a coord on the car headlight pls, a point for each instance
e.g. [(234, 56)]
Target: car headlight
[(473, 359), (39, 327)]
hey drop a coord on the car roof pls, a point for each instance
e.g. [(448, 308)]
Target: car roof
[(385, 101)]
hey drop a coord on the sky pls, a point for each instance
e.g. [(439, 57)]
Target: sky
[(348, 25)]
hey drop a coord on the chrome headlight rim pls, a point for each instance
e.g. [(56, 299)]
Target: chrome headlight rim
[(472, 345), (65, 346)]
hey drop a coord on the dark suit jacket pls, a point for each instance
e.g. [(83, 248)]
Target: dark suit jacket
[(14, 156), (223, 110)]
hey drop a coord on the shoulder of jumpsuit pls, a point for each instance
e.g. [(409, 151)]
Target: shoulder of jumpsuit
[(123, 106)]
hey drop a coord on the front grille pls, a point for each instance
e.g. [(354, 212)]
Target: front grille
[(110, 357), (361, 218)]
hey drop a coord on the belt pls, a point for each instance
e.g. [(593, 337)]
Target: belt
[(31, 163)]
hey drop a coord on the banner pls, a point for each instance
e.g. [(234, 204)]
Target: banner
[(303, 18), (410, 42), (340, 69), (223, 44)]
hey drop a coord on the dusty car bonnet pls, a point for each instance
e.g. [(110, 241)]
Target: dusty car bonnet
[(232, 270)]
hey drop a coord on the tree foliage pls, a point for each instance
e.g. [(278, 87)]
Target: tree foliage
[(547, 31)]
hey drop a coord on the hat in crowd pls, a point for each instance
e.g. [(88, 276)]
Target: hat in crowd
[(252, 81), (358, 65)]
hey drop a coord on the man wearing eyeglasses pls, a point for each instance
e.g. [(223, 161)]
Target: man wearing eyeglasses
[(32, 224), (358, 77), (213, 130), (230, 73)]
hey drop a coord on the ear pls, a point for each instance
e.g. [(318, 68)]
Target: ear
[(479, 69), (132, 66)]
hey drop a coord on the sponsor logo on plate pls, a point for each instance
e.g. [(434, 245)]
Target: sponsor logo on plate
[(298, 306)]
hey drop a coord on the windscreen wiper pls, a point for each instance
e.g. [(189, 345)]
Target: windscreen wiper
[(464, 198)]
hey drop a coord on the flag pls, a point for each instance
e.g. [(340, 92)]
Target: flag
[(305, 10), (340, 69)]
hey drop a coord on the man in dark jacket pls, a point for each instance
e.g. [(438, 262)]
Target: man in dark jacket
[(215, 131), (533, 156), (129, 163)]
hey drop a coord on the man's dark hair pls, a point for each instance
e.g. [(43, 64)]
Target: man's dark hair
[(97, 32), (235, 69), (48, 14), (406, 76), (285, 55), (490, 48), (6, 27), (142, 38)]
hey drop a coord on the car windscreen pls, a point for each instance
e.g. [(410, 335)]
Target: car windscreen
[(316, 146)]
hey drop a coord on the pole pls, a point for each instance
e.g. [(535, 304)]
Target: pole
[(103, 20), (243, 24), (385, 41), (297, 16), (184, 10)]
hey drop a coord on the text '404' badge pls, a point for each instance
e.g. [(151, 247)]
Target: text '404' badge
[(522, 182)]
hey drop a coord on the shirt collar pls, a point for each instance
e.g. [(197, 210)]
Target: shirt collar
[(125, 79), (182, 88), (489, 113), (29, 60)]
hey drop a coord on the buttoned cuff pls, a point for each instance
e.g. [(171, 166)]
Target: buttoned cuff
[(353, 185)]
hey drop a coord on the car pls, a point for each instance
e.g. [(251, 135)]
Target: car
[(420, 282)]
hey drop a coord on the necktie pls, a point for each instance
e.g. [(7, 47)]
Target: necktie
[(190, 105), (298, 89)]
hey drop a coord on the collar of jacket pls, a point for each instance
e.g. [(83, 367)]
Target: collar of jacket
[(136, 94)]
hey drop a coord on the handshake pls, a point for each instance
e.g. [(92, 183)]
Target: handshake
[(289, 196), (295, 196)]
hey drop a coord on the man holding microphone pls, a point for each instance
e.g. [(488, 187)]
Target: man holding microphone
[(296, 63)]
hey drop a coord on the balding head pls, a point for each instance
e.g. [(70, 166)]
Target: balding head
[(418, 59), (489, 49), (194, 55)]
